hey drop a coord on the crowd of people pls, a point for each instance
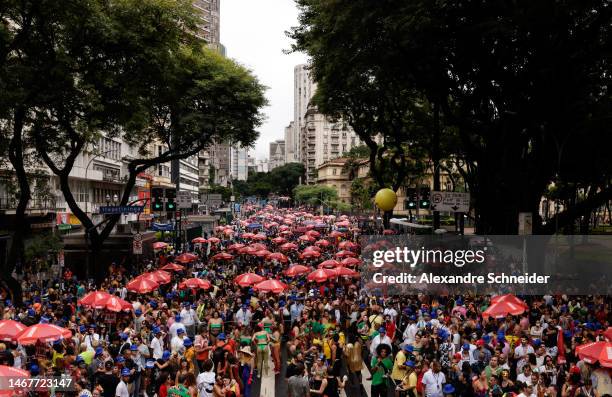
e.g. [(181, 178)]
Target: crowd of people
[(219, 339)]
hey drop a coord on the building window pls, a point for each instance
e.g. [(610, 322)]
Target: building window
[(343, 147), (334, 171)]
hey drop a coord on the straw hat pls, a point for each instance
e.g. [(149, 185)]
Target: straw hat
[(246, 350)]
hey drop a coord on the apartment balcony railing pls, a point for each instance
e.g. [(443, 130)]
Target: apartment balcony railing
[(34, 204)]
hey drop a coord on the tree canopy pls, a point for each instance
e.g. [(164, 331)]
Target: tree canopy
[(517, 94)]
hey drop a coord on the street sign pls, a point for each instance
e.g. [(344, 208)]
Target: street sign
[(212, 199), (525, 223), (137, 244), (183, 199), (121, 209), (450, 202)]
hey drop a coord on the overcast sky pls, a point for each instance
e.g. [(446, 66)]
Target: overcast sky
[(253, 32)]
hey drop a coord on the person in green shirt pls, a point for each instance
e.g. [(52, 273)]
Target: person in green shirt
[(381, 366)]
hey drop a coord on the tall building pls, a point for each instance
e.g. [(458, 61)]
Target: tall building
[(209, 21), (303, 90), (323, 140), (291, 145), (277, 154), (239, 165)]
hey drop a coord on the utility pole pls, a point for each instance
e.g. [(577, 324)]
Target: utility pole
[(435, 154)]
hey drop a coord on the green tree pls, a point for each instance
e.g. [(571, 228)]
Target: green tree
[(313, 195), (286, 177), (128, 68)]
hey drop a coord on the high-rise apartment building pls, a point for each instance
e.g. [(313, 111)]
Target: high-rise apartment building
[(291, 145), (303, 90), (209, 21)]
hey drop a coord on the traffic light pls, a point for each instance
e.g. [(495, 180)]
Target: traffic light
[(170, 196), (411, 198), (424, 202), (157, 199)]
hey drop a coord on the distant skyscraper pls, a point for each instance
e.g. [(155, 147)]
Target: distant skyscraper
[(303, 90), (277, 154)]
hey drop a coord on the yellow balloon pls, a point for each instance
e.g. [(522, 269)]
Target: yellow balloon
[(385, 199)]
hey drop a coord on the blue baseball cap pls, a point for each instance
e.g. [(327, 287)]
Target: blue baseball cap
[(138, 312), (409, 363), (153, 304), (123, 336), (187, 342), (448, 389), (177, 317), (382, 330), (120, 359), (150, 364), (79, 359), (409, 348), (156, 330), (125, 372), (165, 355), (466, 346), (134, 348), (180, 331), (221, 336), (34, 370), (82, 328), (99, 351), (31, 312)]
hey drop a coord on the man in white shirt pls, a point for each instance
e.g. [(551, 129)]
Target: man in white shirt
[(177, 344), (434, 381), (525, 376), (243, 316), (176, 325), (410, 331), (527, 391), (91, 337), (391, 312), (122, 387), (188, 318), (205, 381), (521, 353), (381, 338), (157, 344)]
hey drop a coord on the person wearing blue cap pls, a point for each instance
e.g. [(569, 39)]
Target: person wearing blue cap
[(157, 343), (92, 337), (176, 343), (243, 316), (380, 338), (189, 319), (176, 325), (122, 388)]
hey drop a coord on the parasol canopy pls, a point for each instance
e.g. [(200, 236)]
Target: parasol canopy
[(248, 279), (195, 283), (173, 266), (43, 333), (297, 270), (142, 285), (271, 285), (9, 329), (188, 257), (596, 352)]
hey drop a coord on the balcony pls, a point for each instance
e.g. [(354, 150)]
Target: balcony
[(35, 204), (111, 175)]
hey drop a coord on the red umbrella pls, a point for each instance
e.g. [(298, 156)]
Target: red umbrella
[(228, 232), (159, 245), (173, 266), (289, 247), (222, 256), (335, 234), (262, 253), (343, 223), (272, 285), (199, 240), (313, 233), (608, 334), (500, 308), (18, 377), (279, 240), (321, 275), (347, 245), (329, 264), (308, 254), (248, 279), (9, 330), (94, 299), (142, 285), (322, 243), (346, 272), (277, 256), (214, 240), (235, 247), (307, 238), (248, 235), (297, 270), (188, 257), (350, 261), (258, 246), (345, 254), (260, 237), (283, 228), (596, 351), (159, 277), (116, 304), (312, 248), (388, 232), (43, 333), (195, 283), (286, 233), (509, 298)]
